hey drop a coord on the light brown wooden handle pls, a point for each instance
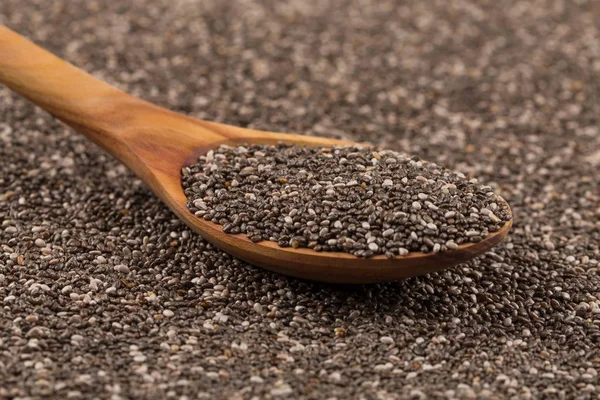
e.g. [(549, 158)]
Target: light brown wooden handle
[(91, 106)]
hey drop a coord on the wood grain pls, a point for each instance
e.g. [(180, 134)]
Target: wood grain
[(156, 143)]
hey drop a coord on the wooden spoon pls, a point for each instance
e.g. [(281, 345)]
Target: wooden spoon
[(156, 143)]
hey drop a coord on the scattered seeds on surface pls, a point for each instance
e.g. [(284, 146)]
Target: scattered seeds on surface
[(505, 91)]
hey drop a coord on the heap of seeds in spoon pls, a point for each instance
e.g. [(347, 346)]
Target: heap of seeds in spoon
[(350, 199)]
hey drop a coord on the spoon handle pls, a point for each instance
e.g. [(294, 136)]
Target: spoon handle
[(94, 108)]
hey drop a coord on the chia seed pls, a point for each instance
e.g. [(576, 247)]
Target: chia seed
[(283, 193), (506, 91)]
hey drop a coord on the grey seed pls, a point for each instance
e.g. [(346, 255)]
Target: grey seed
[(257, 307), (402, 251), (493, 217), (431, 206), (451, 245), (200, 204), (432, 226), (247, 171), (122, 268), (388, 232), (77, 338)]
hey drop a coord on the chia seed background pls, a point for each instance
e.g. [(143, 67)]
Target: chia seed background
[(105, 294)]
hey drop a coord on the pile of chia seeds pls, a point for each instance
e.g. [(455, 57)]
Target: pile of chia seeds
[(105, 294), (352, 199)]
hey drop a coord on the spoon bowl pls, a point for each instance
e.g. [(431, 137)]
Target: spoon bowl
[(156, 143)]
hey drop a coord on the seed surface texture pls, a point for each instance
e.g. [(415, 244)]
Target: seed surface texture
[(350, 199)]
